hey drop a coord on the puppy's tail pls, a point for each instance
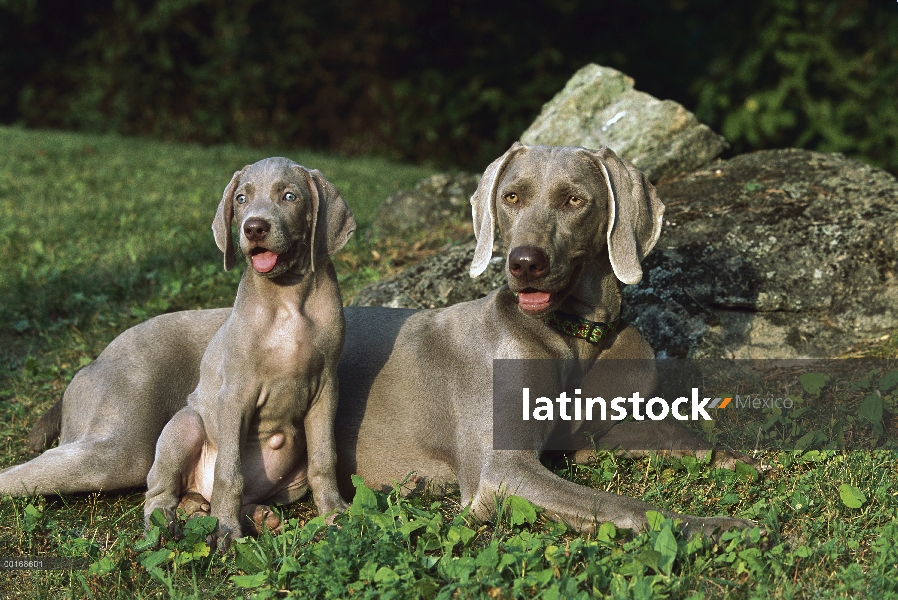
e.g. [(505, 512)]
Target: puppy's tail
[(46, 430)]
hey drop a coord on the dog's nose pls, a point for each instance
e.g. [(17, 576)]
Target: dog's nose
[(256, 229), (528, 262)]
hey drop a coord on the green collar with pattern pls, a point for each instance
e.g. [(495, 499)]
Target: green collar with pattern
[(578, 327)]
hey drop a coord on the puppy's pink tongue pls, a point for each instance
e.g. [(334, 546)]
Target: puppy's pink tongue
[(264, 261), (534, 300)]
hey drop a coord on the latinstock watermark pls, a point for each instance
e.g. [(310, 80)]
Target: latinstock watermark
[(655, 409), (746, 404)]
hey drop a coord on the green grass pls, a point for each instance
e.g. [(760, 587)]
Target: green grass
[(86, 221), (100, 233)]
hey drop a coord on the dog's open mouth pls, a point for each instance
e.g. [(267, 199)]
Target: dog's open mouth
[(272, 264), (536, 302), (263, 260), (533, 301)]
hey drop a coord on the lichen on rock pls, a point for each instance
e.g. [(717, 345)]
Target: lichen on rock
[(599, 107)]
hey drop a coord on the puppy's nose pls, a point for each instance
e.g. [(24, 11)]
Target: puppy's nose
[(528, 262), (256, 229)]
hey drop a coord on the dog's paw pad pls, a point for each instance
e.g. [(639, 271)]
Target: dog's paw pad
[(265, 518), (194, 505)]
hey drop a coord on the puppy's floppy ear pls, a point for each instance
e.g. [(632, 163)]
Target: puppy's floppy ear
[(483, 209), (332, 220), (634, 214), (221, 225)]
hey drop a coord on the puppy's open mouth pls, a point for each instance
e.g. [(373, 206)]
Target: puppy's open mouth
[(263, 260), (268, 262)]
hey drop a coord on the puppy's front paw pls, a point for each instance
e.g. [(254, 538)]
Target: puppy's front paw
[(165, 518), (262, 517), (227, 531), (330, 506), (194, 505)]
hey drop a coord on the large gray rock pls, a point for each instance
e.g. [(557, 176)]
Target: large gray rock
[(599, 107), (776, 254), (434, 201), (440, 280)]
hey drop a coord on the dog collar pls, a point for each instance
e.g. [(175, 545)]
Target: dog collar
[(574, 326)]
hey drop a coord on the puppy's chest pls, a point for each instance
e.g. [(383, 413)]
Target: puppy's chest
[(274, 341), (283, 356), (283, 379)]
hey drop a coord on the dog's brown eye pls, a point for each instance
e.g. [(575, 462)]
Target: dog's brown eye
[(511, 198), (575, 201), (241, 198), (290, 197)]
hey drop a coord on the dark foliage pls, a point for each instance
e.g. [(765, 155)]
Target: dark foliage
[(452, 82)]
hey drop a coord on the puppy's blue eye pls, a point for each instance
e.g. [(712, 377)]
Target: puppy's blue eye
[(290, 197), (241, 198)]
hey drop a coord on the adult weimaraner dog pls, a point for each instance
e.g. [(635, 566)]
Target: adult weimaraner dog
[(416, 386), (260, 424)]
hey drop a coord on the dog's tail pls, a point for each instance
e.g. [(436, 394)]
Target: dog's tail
[(46, 430)]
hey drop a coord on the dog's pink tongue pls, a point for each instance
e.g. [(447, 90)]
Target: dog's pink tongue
[(534, 300), (264, 261)]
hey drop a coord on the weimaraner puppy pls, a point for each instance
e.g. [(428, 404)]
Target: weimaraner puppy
[(416, 386), (260, 424)]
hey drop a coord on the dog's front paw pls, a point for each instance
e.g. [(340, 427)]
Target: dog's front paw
[(262, 517), (194, 505), (725, 459), (712, 527), (330, 506), (165, 518), (220, 540)]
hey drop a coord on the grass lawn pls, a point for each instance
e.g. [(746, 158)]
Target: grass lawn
[(98, 234)]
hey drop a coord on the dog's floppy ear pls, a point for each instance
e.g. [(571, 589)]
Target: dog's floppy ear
[(221, 225), (332, 220), (634, 214), (483, 209)]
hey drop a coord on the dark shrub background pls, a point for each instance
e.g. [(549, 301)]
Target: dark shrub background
[(447, 82)]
